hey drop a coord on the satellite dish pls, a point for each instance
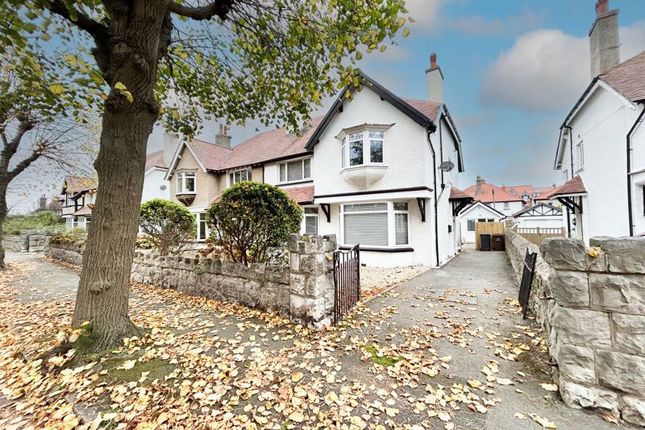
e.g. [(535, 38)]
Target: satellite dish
[(447, 166)]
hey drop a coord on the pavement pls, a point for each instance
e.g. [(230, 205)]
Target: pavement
[(465, 310)]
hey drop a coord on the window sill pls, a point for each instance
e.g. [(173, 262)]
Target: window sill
[(364, 175), (361, 166), (380, 248), (299, 181), (186, 193)]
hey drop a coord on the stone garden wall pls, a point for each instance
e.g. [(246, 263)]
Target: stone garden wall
[(27, 241), (302, 291), (595, 322)]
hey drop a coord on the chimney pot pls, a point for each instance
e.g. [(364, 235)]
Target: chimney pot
[(602, 7), (222, 138), (433, 61)]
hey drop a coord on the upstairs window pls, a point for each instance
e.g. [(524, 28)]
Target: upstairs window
[(297, 170), (239, 176), (363, 148), (186, 183), (581, 155)]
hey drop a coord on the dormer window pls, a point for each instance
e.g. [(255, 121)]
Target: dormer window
[(363, 148), (186, 182)]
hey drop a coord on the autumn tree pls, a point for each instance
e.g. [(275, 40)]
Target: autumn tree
[(181, 62), (33, 124)]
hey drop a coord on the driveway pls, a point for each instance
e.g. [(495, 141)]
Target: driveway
[(413, 358)]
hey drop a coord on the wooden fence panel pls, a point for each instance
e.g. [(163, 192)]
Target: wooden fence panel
[(537, 234), (491, 228)]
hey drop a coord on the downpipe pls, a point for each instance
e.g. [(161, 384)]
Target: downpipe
[(630, 214), (434, 194)]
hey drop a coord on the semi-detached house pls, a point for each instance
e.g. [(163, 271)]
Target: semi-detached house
[(375, 170)]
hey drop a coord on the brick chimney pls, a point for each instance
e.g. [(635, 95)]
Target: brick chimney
[(42, 203), (479, 183), (435, 80), (222, 138), (603, 39)]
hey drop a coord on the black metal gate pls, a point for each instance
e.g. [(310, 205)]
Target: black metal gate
[(347, 281), (527, 280)]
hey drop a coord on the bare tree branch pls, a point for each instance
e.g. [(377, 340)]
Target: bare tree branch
[(219, 8), (82, 21)]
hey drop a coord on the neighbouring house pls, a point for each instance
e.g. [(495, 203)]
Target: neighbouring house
[(540, 215), (155, 184), (376, 170), (601, 148), (77, 199), (474, 213)]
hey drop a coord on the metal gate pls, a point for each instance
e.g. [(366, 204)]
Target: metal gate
[(347, 281), (527, 280)]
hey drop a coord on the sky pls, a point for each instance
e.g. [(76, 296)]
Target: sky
[(512, 68)]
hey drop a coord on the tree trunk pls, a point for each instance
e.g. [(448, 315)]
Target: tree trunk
[(140, 32), (3, 217)]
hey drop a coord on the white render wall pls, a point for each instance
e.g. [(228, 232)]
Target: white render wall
[(152, 184), (602, 125), (475, 212), (550, 221)]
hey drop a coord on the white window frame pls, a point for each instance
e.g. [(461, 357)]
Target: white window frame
[(284, 165), (181, 181), (580, 154), (249, 175), (367, 147), (474, 223), (306, 215), (391, 223), (507, 205), (199, 217)]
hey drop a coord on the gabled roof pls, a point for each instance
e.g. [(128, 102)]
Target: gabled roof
[(457, 194), (628, 78), (489, 193), (421, 117), (301, 195), (155, 159), (540, 209), (84, 211), (483, 205), (572, 187), (76, 184)]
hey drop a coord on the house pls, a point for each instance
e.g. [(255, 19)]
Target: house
[(601, 148), (375, 170), (505, 200), (155, 185), (474, 213), (540, 215), (77, 198)]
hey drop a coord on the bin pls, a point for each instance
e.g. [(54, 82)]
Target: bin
[(484, 242), (499, 243)]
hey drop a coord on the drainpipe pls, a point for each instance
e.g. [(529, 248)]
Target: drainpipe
[(434, 194), (629, 168), (441, 119)]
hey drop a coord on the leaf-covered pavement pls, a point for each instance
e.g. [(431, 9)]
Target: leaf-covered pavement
[(423, 356)]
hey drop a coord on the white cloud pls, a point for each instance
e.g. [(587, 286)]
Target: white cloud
[(548, 69), (424, 12)]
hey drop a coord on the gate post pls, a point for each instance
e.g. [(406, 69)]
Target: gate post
[(311, 284)]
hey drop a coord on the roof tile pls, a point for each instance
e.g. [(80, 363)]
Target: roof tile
[(627, 78), (572, 186)]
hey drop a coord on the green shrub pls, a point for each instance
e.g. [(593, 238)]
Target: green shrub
[(45, 220), (167, 225), (69, 237), (252, 218)]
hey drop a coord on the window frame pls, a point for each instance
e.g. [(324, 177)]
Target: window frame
[(366, 140), (200, 217), (580, 155), (391, 222), (181, 181), (468, 223), (231, 173), (285, 165), (306, 215)]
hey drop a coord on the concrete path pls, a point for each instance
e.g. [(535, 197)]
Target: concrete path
[(471, 290), (42, 280)]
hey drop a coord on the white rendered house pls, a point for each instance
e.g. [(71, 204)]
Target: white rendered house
[(155, 184), (601, 149), (376, 170), (541, 215)]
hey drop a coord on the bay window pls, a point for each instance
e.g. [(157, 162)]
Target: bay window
[(295, 170), (363, 148), (376, 224), (186, 182), (239, 176)]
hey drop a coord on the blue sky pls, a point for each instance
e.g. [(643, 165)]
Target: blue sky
[(513, 69)]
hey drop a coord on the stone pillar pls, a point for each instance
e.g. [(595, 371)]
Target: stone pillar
[(311, 281)]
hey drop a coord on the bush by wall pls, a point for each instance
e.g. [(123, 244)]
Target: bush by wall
[(167, 226)]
